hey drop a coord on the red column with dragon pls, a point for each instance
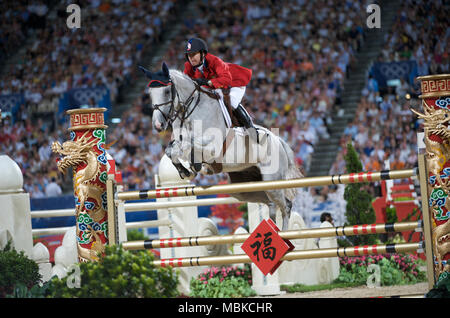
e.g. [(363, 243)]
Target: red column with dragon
[(435, 97), (86, 154)]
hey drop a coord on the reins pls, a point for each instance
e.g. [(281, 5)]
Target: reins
[(183, 112)]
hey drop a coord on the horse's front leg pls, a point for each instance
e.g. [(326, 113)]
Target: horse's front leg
[(195, 155), (174, 152)]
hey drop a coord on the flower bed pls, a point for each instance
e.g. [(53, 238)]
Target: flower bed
[(230, 281), (394, 269)]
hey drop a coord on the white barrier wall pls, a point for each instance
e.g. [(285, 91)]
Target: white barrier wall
[(15, 217), (184, 222)]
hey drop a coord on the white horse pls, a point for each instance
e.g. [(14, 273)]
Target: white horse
[(202, 142)]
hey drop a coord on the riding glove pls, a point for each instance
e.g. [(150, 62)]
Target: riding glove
[(201, 81)]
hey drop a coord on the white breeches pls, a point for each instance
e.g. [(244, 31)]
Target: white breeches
[(236, 95)]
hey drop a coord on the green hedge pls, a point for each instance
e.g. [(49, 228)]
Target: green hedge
[(119, 273), (17, 271)]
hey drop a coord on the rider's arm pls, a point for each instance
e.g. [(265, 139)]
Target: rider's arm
[(223, 79)]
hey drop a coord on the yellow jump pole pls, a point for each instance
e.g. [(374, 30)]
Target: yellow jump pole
[(266, 185), (294, 255), (364, 229)]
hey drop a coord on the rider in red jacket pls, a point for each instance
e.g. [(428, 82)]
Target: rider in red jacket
[(207, 69)]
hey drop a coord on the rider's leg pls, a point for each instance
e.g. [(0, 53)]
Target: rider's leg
[(243, 117), (236, 94)]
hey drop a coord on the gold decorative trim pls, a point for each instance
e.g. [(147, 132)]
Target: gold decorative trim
[(434, 86), (433, 77), (433, 95), (87, 118), (86, 110)]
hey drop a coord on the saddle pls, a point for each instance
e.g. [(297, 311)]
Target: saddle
[(217, 167)]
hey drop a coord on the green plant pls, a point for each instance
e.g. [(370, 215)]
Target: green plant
[(391, 215), (135, 235), (442, 288), (229, 288), (397, 238), (119, 273), (224, 282), (344, 242), (359, 208), (395, 269), (16, 269), (22, 291)]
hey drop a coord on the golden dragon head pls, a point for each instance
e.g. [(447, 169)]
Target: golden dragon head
[(73, 152), (436, 121)]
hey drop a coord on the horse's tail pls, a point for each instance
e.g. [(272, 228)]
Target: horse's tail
[(292, 172)]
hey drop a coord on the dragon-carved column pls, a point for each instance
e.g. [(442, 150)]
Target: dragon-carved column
[(435, 98), (85, 153)]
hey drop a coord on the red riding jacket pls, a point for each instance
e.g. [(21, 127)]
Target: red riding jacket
[(221, 74)]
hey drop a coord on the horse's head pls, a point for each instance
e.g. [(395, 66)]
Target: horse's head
[(172, 94), (162, 95)]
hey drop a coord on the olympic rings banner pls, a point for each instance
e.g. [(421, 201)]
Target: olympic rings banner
[(383, 72), (79, 97), (10, 103)]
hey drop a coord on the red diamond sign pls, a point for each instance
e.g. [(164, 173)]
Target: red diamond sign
[(265, 247)]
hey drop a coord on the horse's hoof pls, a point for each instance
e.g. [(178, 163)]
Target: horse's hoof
[(197, 167), (186, 174)]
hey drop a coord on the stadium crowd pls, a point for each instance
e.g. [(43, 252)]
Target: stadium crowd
[(299, 62), (384, 127), (18, 20), (104, 51)]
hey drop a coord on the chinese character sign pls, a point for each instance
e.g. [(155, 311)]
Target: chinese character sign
[(265, 247)]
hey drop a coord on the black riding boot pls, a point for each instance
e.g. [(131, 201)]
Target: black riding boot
[(243, 117), (245, 121)]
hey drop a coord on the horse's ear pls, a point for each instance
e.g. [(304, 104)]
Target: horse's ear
[(165, 69), (146, 72)]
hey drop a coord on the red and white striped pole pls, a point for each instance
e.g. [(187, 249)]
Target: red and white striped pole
[(363, 229), (266, 185), (294, 255)]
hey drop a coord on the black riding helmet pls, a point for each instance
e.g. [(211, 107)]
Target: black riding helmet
[(195, 45)]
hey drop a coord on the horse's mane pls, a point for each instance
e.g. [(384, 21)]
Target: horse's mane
[(179, 75), (182, 79)]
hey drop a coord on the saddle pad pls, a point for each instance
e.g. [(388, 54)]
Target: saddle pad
[(225, 113)]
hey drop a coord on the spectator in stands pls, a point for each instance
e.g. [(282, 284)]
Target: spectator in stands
[(402, 89), (372, 84), (326, 217), (53, 189)]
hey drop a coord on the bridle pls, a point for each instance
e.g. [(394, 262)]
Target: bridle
[(183, 112)]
